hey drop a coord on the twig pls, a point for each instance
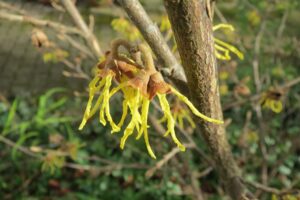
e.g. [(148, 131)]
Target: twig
[(78, 71), (77, 18), (282, 24), (110, 167), (39, 22), (220, 15), (268, 189), (152, 35), (150, 172), (257, 107), (12, 8), (78, 45), (263, 187), (204, 172), (18, 147)]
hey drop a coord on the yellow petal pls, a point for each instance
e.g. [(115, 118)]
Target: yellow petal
[(92, 90), (151, 153), (225, 56), (124, 114), (276, 106), (134, 122), (230, 47), (190, 120), (105, 94), (144, 127), (193, 109), (145, 110), (170, 121), (222, 25)]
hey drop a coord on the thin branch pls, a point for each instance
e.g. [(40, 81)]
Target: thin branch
[(150, 172), (152, 35), (78, 20), (78, 45), (108, 168), (18, 147), (39, 22), (12, 8)]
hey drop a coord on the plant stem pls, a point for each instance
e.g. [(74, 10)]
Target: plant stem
[(193, 33)]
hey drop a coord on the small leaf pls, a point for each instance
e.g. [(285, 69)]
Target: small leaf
[(10, 117)]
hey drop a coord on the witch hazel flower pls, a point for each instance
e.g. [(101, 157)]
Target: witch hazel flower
[(223, 49), (136, 77), (181, 115)]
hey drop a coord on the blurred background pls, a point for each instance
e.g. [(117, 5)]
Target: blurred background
[(45, 68)]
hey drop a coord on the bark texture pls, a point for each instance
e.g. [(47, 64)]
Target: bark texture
[(152, 35), (193, 33)]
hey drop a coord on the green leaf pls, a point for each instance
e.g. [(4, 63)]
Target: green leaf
[(19, 143), (42, 106), (10, 117), (56, 105)]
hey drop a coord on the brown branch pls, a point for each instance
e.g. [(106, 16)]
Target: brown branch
[(150, 172), (193, 33), (39, 22), (77, 45), (152, 35), (107, 168), (18, 147), (78, 20), (12, 8)]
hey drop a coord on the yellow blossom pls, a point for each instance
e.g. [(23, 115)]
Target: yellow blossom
[(271, 100), (181, 113), (139, 85), (223, 49)]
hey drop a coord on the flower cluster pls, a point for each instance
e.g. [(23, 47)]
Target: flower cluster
[(138, 80), (272, 100)]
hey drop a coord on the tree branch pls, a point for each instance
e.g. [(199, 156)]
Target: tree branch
[(78, 20), (152, 35), (40, 22), (193, 33)]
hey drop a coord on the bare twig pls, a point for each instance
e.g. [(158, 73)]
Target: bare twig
[(220, 15), (150, 172), (18, 147), (107, 168), (154, 38), (77, 18), (78, 45), (257, 107), (12, 8), (39, 22)]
